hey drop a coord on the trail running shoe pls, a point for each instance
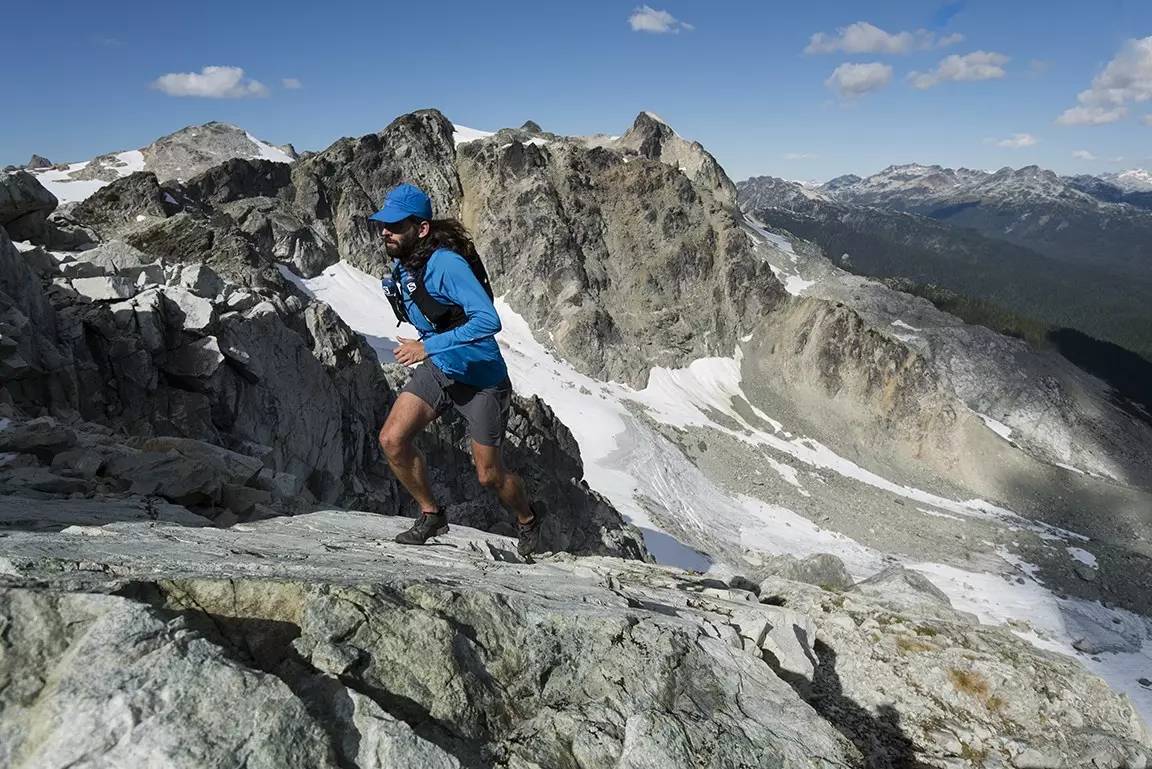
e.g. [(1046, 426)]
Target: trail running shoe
[(528, 534), (428, 525)]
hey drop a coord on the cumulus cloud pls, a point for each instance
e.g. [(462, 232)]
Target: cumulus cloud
[(1126, 79), (646, 19), (211, 83), (1083, 155), (1015, 141), (291, 83), (1092, 115), (863, 37), (851, 80), (978, 65)]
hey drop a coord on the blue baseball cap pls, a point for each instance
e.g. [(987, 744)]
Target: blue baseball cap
[(404, 201)]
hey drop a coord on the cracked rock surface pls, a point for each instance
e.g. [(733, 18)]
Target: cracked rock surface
[(136, 639)]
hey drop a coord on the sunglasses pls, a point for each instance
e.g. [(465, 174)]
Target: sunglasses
[(396, 228)]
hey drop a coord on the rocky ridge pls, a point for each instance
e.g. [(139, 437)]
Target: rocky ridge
[(237, 396), (176, 157), (291, 642)]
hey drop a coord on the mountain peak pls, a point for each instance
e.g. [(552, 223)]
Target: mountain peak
[(1132, 180)]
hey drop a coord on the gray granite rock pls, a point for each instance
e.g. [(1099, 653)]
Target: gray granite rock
[(463, 655)]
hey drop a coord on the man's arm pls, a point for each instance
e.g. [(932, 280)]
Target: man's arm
[(454, 281)]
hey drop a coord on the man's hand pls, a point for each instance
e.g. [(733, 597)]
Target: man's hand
[(409, 352)]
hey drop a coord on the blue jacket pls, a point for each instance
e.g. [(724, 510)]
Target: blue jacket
[(467, 353)]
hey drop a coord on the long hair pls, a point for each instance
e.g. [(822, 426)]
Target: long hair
[(444, 233)]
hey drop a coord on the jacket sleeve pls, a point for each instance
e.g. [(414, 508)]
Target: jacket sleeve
[(452, 280)]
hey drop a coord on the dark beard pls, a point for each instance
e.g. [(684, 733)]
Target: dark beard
[(403, 249)]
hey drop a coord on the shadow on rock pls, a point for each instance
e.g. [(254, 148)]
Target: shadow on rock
[(878, 736), (267, 645)]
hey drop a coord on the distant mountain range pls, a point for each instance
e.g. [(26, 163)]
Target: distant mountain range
[(1068, 251), (1082, 220)]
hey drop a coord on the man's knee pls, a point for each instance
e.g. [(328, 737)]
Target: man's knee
[(490, 476), (394, 446)]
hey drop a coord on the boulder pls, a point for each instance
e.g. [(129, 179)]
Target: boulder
[(24, 206), (198, 359), (200, 280), (104, 287), (43, 436), (123, 206), (233, 467), (21, 194), (897, 584), (187, 311), (822, 569), (169, 475)]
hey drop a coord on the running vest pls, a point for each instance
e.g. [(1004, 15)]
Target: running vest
[(443, 317)]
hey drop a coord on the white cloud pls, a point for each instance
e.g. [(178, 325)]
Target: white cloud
[(863, 37), (1093, 115), (1126, 79), (1083, 155), (1015, 141), (856, 79), (978, 65), (291, 83), (210, 82), (645, 19), (800, 156)]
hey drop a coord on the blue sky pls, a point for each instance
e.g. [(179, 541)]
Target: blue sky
[(746, 79)]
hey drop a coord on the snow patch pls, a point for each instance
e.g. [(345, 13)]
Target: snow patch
[(268, 152), (462, 134), (1083, 556), (1001, 429)]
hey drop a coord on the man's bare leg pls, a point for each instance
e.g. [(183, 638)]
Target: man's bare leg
[(492, 474), (409, 415)]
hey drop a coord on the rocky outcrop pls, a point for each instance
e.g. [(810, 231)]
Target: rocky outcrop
[(190, 151), (652, 138), (24, 206), (326, 644), (339, 188), (123, 207), (187, 367), (633, 263)]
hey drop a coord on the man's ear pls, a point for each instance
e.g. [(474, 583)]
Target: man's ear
[(425, 228)]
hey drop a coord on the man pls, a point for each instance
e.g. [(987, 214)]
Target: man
[(461, 367)]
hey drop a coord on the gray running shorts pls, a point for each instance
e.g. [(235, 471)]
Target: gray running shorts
[(485, 409)]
